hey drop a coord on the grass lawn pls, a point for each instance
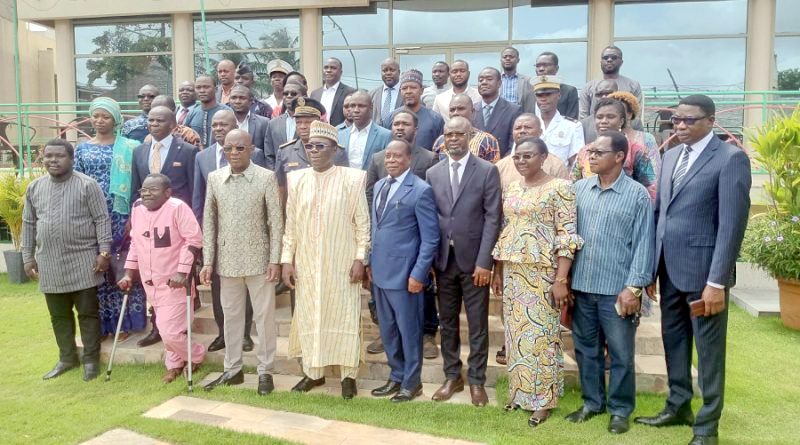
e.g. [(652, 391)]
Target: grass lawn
[(762, 400)]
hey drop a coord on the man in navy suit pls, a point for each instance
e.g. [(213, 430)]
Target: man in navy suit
[(364, 138), (701, 214), (493, 114), (467, 192), (405, 238)]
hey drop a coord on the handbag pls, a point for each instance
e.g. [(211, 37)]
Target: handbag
[(116, 270), (566, 316)]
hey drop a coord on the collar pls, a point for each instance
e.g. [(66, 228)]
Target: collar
[(462, 162), (246, 118), (492, 103), (248, 173), (509, 76), (355, 130), (219, 151), (557, 118), (334, 87), (402, 176), (386, 88), (615, 186), (701, 145), (166, 142)]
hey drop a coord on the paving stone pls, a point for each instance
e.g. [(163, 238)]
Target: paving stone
[(196, 417), (119, 436)]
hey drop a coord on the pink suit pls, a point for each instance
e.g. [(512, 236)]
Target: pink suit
[(160, 247)]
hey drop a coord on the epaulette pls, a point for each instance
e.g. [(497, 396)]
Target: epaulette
[(292, 142)]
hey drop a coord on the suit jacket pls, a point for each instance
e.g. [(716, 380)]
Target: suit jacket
[(179, 167), (471, 219), (523, 85), (568, 104), (274, 137), (501, 122), (257, 126), (405, 237), (700, 224), (336, 114), (204, 163), (421, 161), (377, 102), (377, 139)]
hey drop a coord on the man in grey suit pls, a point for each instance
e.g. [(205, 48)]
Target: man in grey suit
[(515, 84), (467, 192), (254, 124), (495, 115), (332, 93), (701, 213), (386, 97)]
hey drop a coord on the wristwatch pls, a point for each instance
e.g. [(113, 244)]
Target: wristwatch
[(636, 291), (105, 254)]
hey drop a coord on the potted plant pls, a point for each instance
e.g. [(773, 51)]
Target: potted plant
[(12, 201), (772, 241)]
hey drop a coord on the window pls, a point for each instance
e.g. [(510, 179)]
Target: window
[(449, 21), (787, 45), (569, 21), (680, 18), (117, 59), (355, 26), (361, 68)]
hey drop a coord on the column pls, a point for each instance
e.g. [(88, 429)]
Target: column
[(759, 60), (65, 72), (311, 46), (182, 49), (601, 34)]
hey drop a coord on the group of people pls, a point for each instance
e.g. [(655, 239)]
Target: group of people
[(428, 196)]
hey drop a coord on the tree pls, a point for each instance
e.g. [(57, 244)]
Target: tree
[(789, 79), (134, 38)]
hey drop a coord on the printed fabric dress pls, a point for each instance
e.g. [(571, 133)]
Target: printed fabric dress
[(538, 228), (94, 160)]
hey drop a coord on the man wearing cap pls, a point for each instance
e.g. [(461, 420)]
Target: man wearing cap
[(481, 143), (365, 137), (333, 91), (277, 70), (429, 124), (324, 249), (563, 135), (496, 114), (247, 78)]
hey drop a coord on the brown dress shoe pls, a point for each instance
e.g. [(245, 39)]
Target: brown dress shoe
[(479, 397), (450, 387), (171, 375), (376, 347), (429, 348)]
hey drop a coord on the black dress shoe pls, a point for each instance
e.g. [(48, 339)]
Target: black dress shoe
[(152, 338), (247, 344), (59, 369), (406, 395), (667, 418), (618, 425), (386, 390), (90, 371), (226, 379), (307, 384), (704, 440), (582, 415), (349, 388), (217, 344), (265, 385), (376, 347)]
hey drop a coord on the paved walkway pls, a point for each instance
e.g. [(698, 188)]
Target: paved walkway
[(283, 425), (119, 436), (755, 291)]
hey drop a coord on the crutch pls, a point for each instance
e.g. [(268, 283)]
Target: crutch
[(116, 335), (189, 308)]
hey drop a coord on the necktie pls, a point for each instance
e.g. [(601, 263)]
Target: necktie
[(680, 172), (223, 161), (386, 111), (385, 196), (155, 159), (182, 117), (487, 113), (454, 182)]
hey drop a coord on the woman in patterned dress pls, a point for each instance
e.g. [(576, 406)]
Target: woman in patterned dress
[(107, 158), (532, 260)]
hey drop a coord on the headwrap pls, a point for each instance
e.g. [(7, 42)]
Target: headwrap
[(121, 157), (629, 99)]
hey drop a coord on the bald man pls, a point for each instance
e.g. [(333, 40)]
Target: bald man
[(386, 97), (226, 73)]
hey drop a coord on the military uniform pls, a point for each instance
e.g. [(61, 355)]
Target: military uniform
[(564, 135), (292, 156)]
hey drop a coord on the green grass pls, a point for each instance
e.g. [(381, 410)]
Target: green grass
[(762, 396)]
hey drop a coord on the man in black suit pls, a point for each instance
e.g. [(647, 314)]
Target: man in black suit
[(333, 91), (568, 103), (467, 192), (494, 114), (283, 128), (256, 125)]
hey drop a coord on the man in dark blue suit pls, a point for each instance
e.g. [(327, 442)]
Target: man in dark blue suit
[(493, 114), (405, 238), (701, 214)]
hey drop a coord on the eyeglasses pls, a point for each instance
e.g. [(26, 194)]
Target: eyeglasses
[(148, 96), (524, 157), (291, 93), (230, 148), (315, 147), (457, 134), (598, 153), (688, 120), (610, 57)]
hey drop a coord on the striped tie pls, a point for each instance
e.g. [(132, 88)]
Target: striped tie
[(680, 172)]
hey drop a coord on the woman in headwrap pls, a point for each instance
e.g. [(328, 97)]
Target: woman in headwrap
[(107, 158), (633, 110)]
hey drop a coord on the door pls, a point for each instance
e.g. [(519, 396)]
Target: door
[(423, 58)]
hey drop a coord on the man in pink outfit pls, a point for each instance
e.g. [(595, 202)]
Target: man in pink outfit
[(164, 237)]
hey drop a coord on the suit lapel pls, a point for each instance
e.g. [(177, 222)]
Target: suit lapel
[(378, 186), (701, 161), (172, 153), (402, 191), (282, 128), (373, 130), (499, 108), (336, 97)]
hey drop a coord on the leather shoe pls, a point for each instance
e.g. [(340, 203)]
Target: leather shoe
[(217, 344), (450, 387), (265, 385), (226, 379), (247, 344), (478, 393), (429, 349), (704, 440), (618, 425), (307, 384), (667, 418), (386, 390), (406, 395), (375, 347), (349, 388), (171, 375), (152, 338), (500, 357), (90, 371), (59, 369), (582, 414)]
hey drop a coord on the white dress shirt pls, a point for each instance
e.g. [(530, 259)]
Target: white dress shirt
[(290, 127), (462, 163), (393, 188), (219, 154), (697, 149), (327, 97), (357, 145), (245, 124), (165, 144)]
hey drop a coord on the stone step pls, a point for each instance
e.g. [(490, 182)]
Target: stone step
[(650, 369)]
